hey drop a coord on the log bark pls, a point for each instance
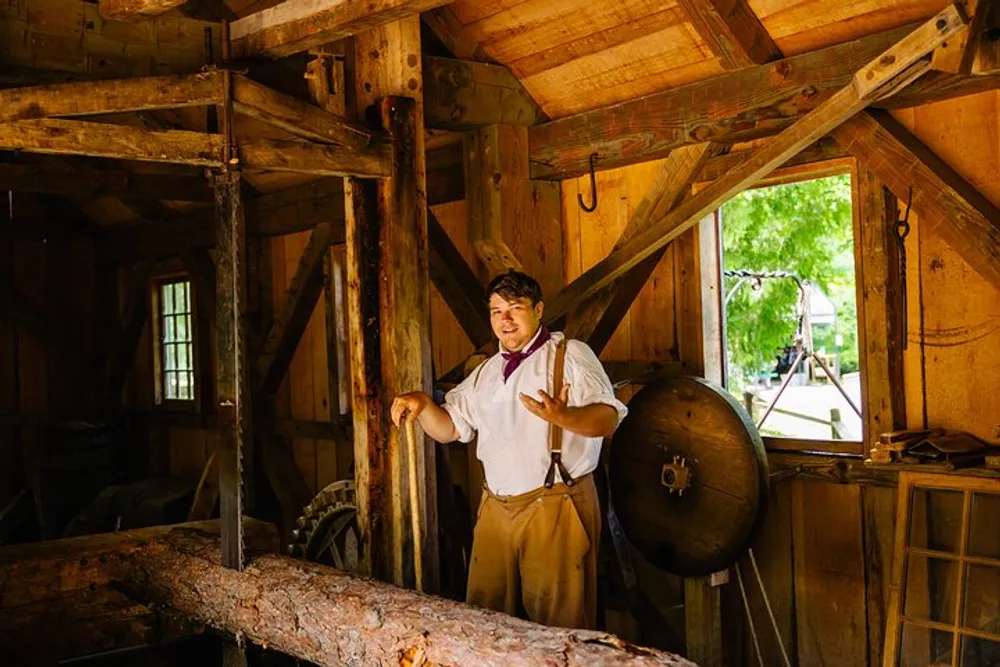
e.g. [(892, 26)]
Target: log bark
[(311, 611)]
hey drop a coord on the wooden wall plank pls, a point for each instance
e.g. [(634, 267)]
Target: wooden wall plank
[(958, 327), (773, 552), (29, 279), (829, 571), (450, 343), (300, 378), (878, 507)]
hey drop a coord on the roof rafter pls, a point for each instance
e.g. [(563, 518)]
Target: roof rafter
[(736, 106), (883, 75), (732, 31), (299, 25)]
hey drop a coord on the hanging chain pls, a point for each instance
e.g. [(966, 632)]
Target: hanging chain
[(901, 228)]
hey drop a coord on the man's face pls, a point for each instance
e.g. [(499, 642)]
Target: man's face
[(514, 322)]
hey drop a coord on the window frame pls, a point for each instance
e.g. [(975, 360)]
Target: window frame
[(785, 176), (157, 331)]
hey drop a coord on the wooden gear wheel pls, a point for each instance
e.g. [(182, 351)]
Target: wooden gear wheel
[(689, 476), (327, 531)]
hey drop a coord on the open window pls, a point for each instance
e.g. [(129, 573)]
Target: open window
[(174, 342), (789, 308)]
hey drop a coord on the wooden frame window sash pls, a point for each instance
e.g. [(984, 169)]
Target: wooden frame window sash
[(969, 487), (175, 364)]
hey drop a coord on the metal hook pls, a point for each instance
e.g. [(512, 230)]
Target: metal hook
[(903, 226), (593, 188)]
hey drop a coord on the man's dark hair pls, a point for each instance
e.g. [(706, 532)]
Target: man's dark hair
[(513, 285)]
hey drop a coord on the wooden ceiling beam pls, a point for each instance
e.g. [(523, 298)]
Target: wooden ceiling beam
[(887, 72), (208, 10), (825, 154), (296, 116), (299, 25), (128, 10), (947, 204), (288, 211), (464, 95), (79, 181), (732, 31), (76, 137), (88, 98), (71, 36), (320, 159), (733, 107)]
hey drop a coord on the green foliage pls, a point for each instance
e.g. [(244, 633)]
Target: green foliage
[(805, 229)]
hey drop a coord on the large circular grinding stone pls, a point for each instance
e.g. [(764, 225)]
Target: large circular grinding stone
[(689, 476)]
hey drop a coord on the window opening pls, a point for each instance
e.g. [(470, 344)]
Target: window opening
[(176, 341), (790, 308)]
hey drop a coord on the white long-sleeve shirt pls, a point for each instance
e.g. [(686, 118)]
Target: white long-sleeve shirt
[(514, 443)]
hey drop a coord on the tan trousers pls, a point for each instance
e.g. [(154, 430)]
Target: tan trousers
[(535, 555)]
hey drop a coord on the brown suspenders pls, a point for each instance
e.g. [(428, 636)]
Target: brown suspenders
[(555, 432)]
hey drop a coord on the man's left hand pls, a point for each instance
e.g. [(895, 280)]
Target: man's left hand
[(552, 410)]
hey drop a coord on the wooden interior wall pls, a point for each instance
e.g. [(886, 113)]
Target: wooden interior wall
[(825, 550), (57, 279)]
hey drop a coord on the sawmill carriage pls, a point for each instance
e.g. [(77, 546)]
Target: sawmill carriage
[(235, 231)]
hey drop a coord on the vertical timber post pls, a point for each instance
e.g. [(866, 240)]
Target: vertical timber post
[(405, 316), (232, 375), (883, 402), (370, 460), (389, 296)]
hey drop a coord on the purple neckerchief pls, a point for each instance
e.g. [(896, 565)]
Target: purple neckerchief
[(513, 359)]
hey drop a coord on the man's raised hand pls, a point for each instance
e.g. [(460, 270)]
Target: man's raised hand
[(552, 410)]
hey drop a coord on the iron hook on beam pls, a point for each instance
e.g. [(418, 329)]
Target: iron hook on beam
[(593, 188)]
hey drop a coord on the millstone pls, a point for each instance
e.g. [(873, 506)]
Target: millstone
[(689, 476)]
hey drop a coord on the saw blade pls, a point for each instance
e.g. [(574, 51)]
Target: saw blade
[(232, 386)]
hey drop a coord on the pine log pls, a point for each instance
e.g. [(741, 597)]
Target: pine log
[(310, 611)]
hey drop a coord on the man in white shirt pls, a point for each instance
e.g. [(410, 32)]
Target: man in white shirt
[(534, 550)]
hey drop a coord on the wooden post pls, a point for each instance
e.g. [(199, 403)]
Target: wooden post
[(883, 401), (371, 474), (880, 307), (703, 622), (496, 165), (233, 400), (405, 311), (326, 78), (713, 329), (387, 224)]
